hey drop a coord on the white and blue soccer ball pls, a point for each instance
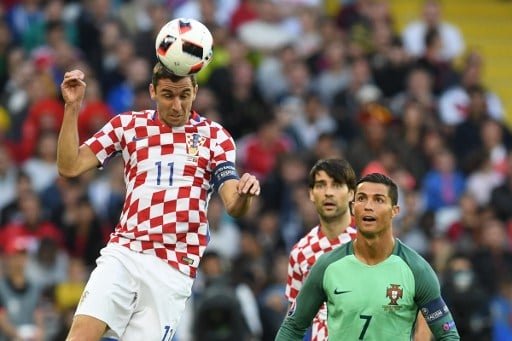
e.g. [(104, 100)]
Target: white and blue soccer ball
[(184, 46)]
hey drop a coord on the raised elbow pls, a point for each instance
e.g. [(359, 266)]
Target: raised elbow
[(68, 173)]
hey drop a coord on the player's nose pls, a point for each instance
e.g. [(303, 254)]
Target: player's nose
[(176, 104)]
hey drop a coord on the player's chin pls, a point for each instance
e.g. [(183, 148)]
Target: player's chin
[(329, 211), (176, 120), (329, 215)]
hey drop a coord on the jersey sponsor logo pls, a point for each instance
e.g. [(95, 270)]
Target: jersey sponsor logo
[(291, 311), (139, 138), (194, 141), (339, 292)]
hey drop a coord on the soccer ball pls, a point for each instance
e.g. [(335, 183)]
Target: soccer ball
[(184, 46)]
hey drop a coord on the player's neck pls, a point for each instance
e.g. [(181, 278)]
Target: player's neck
[(375, 250), (332, 229)]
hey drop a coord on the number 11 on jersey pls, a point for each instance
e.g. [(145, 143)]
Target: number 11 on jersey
[(170, 166)]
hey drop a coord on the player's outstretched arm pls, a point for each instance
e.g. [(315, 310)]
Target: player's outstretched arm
[(73, 160), (237, 194)]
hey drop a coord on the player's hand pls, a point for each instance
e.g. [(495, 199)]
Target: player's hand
[(248, 185), (73, 87)]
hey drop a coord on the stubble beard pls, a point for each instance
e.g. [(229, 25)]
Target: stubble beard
[(333, 216)]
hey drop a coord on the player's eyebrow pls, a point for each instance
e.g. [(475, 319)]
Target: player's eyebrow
[(320, 181), (185, 91), (375, 195)]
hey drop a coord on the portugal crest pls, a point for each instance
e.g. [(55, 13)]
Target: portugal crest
[(394, 293)]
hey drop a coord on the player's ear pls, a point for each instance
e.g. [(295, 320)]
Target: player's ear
[(350, 204), (196, 88), (152, 91), (395, 210)]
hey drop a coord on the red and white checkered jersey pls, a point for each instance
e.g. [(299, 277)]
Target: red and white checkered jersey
[(302, 257), (167, 174)]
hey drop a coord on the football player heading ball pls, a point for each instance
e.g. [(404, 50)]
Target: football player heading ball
[(173, 160)]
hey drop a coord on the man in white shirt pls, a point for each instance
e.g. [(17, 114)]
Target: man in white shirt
[(413, 34)]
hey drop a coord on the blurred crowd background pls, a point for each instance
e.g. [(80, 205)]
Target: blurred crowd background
[(293, 81)]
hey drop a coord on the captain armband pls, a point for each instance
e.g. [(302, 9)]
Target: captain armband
[(435, 310), (224, 171)]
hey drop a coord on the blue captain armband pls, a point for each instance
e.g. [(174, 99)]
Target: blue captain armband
[(224, 171), (435, 310)]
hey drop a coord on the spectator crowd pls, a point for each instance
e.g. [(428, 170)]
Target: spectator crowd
[(294, 81)]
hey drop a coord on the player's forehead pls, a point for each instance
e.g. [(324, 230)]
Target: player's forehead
[(371, 189), (322, 175), (182, 85)]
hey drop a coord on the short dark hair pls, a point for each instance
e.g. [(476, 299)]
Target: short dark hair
[(161, 72), (338, 169), (379, 178)]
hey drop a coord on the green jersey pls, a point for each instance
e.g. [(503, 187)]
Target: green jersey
[(370, 302)]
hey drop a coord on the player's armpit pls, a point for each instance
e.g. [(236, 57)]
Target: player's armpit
[(422, 331)]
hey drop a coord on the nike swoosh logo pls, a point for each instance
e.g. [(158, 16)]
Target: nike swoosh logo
[(336, 292), (135, 138)]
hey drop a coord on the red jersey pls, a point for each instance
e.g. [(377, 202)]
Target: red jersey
[(167, 174)]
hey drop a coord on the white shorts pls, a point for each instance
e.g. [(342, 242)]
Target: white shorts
[(139, 296)]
